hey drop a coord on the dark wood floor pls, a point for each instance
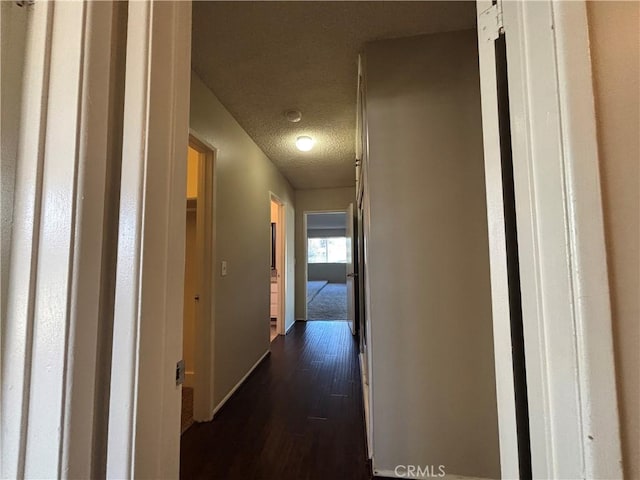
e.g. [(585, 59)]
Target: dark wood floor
[(298, 416)]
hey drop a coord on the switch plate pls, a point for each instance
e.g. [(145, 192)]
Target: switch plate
[(223, 269), (180, 372)]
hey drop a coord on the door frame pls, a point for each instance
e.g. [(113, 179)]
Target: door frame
[(204, 362), (56, 332), (306, 244), (566, 306), (352, 276), (563, 267), (281, 262), (145, 397), (499, 277)]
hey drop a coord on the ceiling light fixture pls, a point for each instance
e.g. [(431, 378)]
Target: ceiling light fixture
[(304, 143), (294, 116)]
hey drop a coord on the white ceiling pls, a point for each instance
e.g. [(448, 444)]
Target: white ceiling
[(262, 58)]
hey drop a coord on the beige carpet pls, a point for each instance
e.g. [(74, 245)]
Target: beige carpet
[(187, 408)]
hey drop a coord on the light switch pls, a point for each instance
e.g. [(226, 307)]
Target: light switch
[(223, 270)]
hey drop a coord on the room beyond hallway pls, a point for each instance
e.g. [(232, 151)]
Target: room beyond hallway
[(326, 301), (328, 260), (298, 416)]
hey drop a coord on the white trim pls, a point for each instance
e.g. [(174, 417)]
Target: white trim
[(565, 302), (305, 246), (290, 327), (351, 279), (305, 258), (17, 329), (240, 382), (144, 410), (281, 267), (203, 404), (501, 311), (601, 435), (367, 408), (200, 138), (52, 328), (366, 226), (203, 381)]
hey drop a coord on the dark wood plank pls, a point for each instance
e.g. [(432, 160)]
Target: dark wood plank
[(298, 416)]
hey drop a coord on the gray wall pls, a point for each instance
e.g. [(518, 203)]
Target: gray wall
[(331, 272), (319, 199), (244, 178), (326, 232), (431, 329), (13, 36)]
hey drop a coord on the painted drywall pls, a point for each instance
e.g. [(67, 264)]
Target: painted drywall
[(331, 272), (190, 291), (13, 39), (433, 381), (243, 179), (615, 55), (319, 199)]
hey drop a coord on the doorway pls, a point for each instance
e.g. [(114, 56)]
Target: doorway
[(277, 268), (328, 257), (197, 326), (191, 288)]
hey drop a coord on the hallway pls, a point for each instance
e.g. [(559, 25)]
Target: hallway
[(298, 416)]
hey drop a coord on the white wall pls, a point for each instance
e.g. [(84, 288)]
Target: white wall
[(615, 50), (433, 384), (244, 178), (320, 199), (13, 36)]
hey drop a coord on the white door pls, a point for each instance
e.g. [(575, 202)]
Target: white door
[(351, 316), (495, 146)]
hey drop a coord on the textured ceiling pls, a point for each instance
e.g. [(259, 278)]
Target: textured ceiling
[(262, 58)]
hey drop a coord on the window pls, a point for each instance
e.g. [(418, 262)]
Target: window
[(327, 250)]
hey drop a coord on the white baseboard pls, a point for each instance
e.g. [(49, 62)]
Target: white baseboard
[(242, 380), (392, 474), (290, 327), (367, 412), (301, 319)]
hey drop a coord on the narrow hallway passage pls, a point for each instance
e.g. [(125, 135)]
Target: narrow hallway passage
[(298, 416)]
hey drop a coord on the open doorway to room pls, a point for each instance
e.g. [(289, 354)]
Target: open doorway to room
[(191, 288), (327, 259), (197, 326), (276, 287)]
